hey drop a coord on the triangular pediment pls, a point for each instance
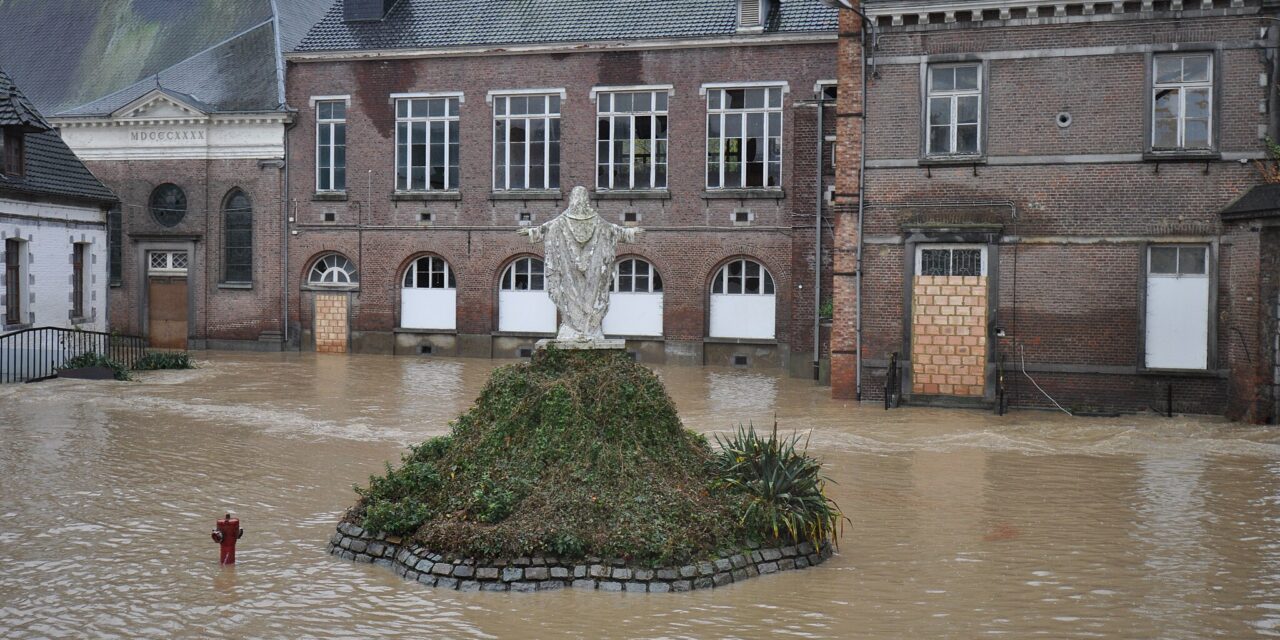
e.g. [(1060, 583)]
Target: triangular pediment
[(159, 103)]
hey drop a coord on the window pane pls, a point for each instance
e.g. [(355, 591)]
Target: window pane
[(1166, 134), (1195, 69), (1168, 69), (967, 109), (943, 79), (940, 140), (1196, 134), (1164, 260), (939, 111), (935, 262), (967, 138), (755, 98), (713, 99), (775, 98), (661, 101), (1191, 260), (735, 98), (1197, 103), (967, 78), (500, 106), (402, 108), (604, 100), (966, 262)]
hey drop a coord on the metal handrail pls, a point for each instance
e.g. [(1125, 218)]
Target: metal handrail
[(892, 383), (36, 353)]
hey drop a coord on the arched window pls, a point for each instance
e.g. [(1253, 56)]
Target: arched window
[(523, 303), (168, 204), (635, 300), (634, 275), (743, 303), (237, 238), (333, 268), (429, 299), (524, 274)]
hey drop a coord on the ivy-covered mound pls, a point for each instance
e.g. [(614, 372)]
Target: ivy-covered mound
[(575, 453)]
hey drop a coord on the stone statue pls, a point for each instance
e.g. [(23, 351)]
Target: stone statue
[(580, 248)]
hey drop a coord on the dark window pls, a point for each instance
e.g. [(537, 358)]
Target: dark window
[(13, 162), (168, 204), (115, 244), (237, 216), (13, 281), (77, 280)]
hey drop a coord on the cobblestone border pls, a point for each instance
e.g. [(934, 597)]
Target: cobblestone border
[(544, 573)]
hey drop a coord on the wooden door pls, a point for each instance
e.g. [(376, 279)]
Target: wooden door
[(167, 312)]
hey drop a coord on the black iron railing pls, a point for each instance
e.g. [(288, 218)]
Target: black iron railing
[(36, 353), (1002, 400), (892, 383)]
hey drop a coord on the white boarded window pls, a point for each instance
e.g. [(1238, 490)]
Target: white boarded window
[(427, 145), (635, 300), (429, 297), (1182, 102), (954, 110), (1177, 318), (523, 303), (743, 301)]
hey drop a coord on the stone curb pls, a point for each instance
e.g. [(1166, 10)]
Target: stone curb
[(547, 573)]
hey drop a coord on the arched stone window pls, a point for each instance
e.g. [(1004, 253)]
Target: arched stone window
[(429, 297), (237, 237), (635, 300), (743, 301), (168, 204), (333, 269), (523, 303)]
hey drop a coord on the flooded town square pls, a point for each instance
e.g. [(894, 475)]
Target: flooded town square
[(962, 524)]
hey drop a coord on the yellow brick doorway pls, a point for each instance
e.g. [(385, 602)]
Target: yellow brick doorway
[(331, 323), (949, 322)]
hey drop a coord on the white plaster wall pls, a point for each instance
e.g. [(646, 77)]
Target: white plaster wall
[(634, 314), (429, 309), (526, 311), (742, 316), (50, 233), (108, 139)]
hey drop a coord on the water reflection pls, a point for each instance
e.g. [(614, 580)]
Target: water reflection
[(962, 524)]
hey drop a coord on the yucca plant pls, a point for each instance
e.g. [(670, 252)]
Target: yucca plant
[(783, 489)]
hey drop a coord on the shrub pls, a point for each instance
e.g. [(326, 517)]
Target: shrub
[(94, 359), (156, 360), (782, 489)]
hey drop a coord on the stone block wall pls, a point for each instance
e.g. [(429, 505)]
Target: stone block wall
[(331, 323), (949, 326)]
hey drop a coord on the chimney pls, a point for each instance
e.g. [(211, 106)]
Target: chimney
[(366, 10)]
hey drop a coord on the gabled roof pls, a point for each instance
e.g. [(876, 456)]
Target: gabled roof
[(71, 55), (423, 24), (1262, 201), (16, 110), (51, 168)]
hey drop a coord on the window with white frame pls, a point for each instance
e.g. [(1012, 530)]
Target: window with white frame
[(429, 272), (951, 260), (634, 275), (333, 269), (954, 106), (524, 305), (526, 142), (331, 145), (635, 301), (429, 299), (631, 140), (427, 144), (743, 301), (167, 262), (1177, 307), (744, 138), (1182, 101), (525, 274)]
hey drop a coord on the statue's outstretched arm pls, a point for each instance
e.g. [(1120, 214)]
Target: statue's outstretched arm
[(629, 234), (534, 233)]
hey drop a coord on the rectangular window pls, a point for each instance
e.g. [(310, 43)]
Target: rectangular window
[(14, 292), (954, 110), (744, 138), (1182, 102), (331, 145), (1177, 318), (427, 144), (526, 142), (951, 260), (77, 279), (115, 244), (12, 156), (631, 140)]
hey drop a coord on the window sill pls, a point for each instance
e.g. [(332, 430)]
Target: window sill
[(426, 332), (77, 320), (522, 334), (1184, 373), (426, 196), (115, 285), (951, 161), (331, 288), (235, 285), (329, 196), (760, 341), (743, 194), (632, 194), (523, 194), (16, 327), (1176, 155)]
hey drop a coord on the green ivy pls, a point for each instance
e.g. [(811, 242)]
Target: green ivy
[(156, 360)]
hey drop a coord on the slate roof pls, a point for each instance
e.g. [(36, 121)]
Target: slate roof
[(70, 54), (423, 24), (16, 110), (1262, 201), (51, 167)]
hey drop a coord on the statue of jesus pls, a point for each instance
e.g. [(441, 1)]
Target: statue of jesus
[(580, 248)]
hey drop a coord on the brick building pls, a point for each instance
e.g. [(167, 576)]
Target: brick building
[(428, 133), (1037, 205), (180, 110)]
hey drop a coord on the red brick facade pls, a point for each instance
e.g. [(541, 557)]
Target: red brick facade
[(691, 232), (1065, 196)]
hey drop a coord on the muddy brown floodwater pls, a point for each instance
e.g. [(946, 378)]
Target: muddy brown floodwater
[(963, 524)]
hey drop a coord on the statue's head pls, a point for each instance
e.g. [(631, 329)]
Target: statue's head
[(579, 205)]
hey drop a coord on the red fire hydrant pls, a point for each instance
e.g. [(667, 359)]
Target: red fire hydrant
[(226, 534)]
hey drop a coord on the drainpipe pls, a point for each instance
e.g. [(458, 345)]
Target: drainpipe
[(862, 199), (284, 258), (817, 243)]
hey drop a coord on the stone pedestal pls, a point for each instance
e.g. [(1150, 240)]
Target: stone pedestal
[(582, 345)]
